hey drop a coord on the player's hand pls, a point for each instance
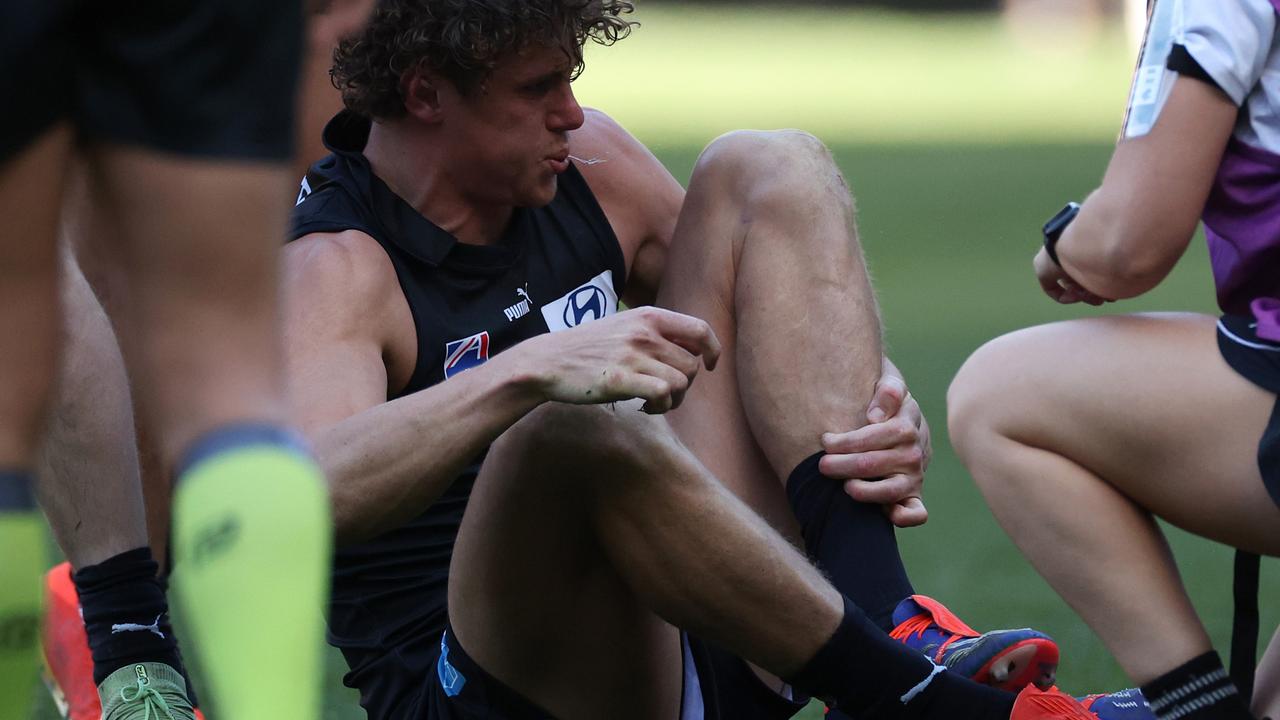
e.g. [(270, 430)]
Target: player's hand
[(884, 461), (647, 353), (1058, 285)]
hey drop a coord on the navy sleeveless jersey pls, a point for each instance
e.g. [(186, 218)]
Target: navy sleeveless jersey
[(556, 267)]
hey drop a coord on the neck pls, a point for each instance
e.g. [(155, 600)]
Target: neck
[(411, 165)]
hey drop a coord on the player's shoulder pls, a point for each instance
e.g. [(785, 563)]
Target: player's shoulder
[(346, 270), (603, 148), (618, 167)]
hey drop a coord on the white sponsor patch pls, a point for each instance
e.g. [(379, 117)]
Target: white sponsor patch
[(1152, 80), (591, 301)]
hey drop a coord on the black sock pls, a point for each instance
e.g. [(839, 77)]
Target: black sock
[(1200, 689), (125, 613), (864, 673), (852, 542)]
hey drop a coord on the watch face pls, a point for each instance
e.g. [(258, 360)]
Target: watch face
[(1059, 222)]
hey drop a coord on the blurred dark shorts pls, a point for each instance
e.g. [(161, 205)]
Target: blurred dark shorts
[(200, 78), (1258, 360), (717, 686)]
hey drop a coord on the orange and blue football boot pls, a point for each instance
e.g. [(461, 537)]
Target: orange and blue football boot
[(1122, 705), (1005, 659), (1053, 704)]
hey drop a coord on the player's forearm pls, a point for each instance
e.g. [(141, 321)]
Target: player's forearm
[(386, 465), (1116, 248)]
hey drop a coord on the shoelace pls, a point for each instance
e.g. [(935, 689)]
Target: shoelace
[(150, 698), (917, 626)]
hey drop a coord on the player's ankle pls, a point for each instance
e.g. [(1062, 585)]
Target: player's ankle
[(125, 613), (1199, 689)]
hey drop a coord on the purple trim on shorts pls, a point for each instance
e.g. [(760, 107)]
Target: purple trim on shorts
[(1242, 224), (1276, 4)]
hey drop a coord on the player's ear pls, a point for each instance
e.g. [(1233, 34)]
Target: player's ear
[(421, 94)]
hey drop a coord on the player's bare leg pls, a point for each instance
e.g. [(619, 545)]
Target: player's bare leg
[(767, 252), (588, 524), (584, 522), (30, 198), (1266, 688), (1078, 432), (194, 275), (89, 488)]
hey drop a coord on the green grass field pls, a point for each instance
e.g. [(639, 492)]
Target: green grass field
[(958, 141)]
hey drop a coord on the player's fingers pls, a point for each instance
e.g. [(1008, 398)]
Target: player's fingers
[(910, 512), (671, 382), (887, 399), (873, 464), (688, 332), (882, 491), (880, 436)]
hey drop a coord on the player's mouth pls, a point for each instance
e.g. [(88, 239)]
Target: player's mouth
[(558, 162)]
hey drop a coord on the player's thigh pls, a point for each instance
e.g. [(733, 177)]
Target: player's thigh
[(533, 597), (1145, 402)]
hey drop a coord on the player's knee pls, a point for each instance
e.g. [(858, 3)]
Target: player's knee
[(747, 156), (975, 400), (590, 441)]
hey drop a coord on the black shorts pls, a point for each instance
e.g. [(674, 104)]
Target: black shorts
[(1258, 360), (717, 686), (204, 78)]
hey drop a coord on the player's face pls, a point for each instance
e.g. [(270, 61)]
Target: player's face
[(510, 138)]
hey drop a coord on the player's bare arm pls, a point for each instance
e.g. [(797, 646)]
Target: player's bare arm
[(350, 342), (1132, 230)]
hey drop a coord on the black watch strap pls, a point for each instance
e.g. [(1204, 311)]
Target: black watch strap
[(1057, 224)]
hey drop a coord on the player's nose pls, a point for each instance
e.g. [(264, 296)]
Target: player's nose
[(567, 114)]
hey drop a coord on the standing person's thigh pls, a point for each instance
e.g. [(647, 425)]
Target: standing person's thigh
[(1144, 402), (533, 597)]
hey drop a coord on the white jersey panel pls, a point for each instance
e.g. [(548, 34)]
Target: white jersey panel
[(1232, 40)]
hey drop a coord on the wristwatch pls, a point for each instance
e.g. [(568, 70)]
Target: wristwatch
[(1054, 228)]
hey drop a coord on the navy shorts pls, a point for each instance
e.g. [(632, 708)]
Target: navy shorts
[(1258, 360), (204, 78), (717, 686)]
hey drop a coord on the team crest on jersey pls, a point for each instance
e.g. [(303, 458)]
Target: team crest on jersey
[(591, 301), (465, 354), (303, 192)]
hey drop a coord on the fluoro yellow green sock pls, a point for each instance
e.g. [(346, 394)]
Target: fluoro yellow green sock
[(252, 540), (22, 562)]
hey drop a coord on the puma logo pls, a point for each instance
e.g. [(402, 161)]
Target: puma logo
[(135, 627)]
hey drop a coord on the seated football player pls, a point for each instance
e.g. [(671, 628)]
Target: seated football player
[(455, 283), (1081, 433)]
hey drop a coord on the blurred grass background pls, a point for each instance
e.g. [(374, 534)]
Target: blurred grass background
[(959, 137)]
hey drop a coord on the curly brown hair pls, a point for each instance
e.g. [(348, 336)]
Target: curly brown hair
[(462, 40)]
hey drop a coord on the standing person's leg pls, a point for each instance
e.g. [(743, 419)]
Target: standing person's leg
[(767, 252), (197, 256), (30, 197), (89, 488), (1078, 432), (588, 524), (189, 126)]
